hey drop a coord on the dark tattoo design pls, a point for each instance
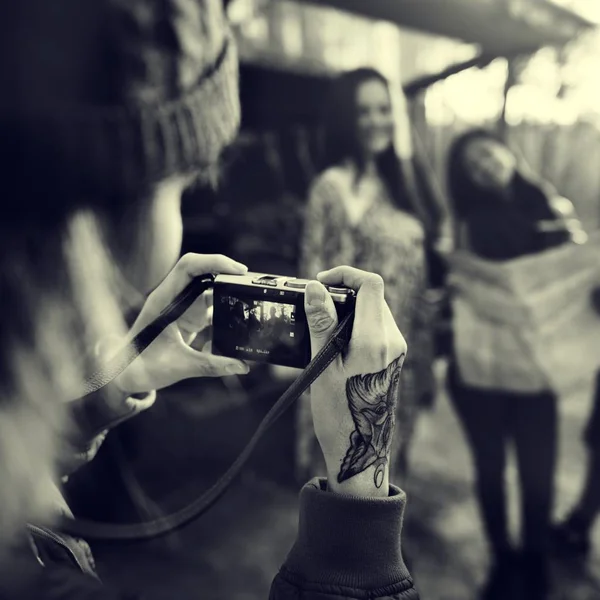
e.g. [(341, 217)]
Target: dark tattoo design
[(372, 401)]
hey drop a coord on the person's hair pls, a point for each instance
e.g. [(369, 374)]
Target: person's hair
[(61, 292), (340, 134), (466, 195), (66, 223)]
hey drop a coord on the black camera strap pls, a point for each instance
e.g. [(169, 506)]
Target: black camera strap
[(164, 525)]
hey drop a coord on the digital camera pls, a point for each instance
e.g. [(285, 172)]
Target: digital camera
[(261, 317)]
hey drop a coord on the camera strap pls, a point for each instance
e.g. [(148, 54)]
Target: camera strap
[(163, 525)]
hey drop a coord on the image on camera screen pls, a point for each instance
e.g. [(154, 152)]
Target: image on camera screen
[(259, 328)]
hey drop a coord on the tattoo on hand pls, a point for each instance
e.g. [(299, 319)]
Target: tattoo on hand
[(372, 401)]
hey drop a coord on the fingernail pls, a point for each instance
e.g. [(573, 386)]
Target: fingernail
[(237, 369), (240, 266), (315, 295)]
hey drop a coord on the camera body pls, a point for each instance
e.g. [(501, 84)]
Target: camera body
[(261, 317)]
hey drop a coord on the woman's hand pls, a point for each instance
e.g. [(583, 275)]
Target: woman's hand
[(565, 219), (170, 359), (354, 400), (552, 225)]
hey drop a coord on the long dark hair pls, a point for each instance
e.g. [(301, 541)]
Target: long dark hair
[(340, 135), (466, 195)]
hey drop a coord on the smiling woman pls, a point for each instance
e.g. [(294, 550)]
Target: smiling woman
[(363, 212), (519, 241)]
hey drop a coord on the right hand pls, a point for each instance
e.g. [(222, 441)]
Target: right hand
[(354, 400)]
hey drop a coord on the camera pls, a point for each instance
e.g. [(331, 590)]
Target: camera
[(261, 317)]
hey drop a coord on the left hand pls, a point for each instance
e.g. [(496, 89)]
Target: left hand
[(170, 359)]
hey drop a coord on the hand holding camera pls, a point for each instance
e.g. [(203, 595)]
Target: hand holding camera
[(354, 400), (170, 358), (287, 321)]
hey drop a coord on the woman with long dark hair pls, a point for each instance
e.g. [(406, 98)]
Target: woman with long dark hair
[(503, 213), (363, 211)]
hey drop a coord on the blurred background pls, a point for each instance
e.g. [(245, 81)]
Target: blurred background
[(527, 69)]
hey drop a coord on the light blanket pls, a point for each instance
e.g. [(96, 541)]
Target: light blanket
[(528, 324)]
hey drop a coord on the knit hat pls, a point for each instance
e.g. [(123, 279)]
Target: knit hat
[(113, 95)]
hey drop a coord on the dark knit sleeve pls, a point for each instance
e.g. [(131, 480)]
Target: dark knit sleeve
[(56, 581), (487, 237), (346, 547)]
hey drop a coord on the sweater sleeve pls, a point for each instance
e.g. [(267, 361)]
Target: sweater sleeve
[(346, 547), (23, 578), (92, 417), (481, 237)]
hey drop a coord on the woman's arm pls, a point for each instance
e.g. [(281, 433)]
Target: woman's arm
[(350, 524), (564, 219), (484, 237)]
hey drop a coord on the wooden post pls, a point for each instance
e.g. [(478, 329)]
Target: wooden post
[(511, 79)]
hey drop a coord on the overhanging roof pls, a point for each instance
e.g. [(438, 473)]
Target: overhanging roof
[(500, 27), (291, 94)]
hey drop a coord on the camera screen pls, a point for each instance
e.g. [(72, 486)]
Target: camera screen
[(260, 330)]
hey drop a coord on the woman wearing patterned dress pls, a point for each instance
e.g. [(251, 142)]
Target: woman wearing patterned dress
[(360, 213)]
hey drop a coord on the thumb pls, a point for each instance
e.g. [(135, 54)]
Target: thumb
[(201, 364), (320, 314)]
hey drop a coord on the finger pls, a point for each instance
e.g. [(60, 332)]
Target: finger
[(396, 341), (190, 266), (370, 301), (388, 319), (199, 315), (202, 364), (320, 314), (349, 276)]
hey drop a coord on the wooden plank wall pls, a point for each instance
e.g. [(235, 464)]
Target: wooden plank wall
[(567, 156)]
